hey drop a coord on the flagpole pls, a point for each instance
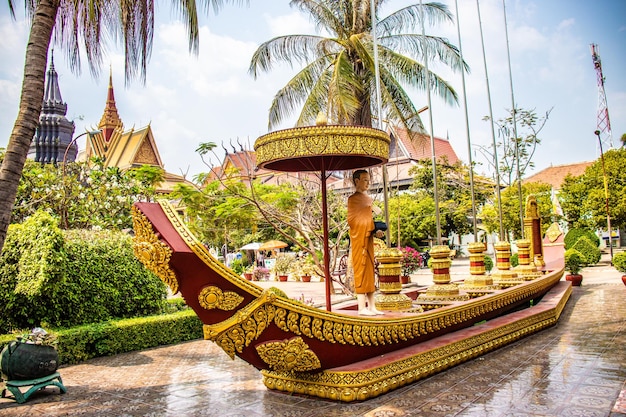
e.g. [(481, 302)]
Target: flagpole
[(467, 129), (430, 118), (380, 117), (514, 110), (493, 133)]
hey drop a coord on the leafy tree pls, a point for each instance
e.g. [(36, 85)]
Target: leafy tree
[(245, 209), (510, 207), (584, 199), (415, 215), (85, 23), (528, 126), (338, 74), (82, 196), (455, 198)]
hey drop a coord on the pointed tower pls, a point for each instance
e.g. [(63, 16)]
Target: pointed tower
[(110, 121), (54, 133)]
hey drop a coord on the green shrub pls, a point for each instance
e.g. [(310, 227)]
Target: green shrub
[(572, 236), (514, 260), (488, 263), (619, 262), (590, 253), (63, 279), (573, 261)]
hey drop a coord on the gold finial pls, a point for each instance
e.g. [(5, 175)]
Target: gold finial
[(321, 119)]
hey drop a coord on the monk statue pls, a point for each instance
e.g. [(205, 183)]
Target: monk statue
[(361, 223)]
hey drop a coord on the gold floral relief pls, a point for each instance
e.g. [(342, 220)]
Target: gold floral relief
[(213, 297), (289, 355), (154, 254)]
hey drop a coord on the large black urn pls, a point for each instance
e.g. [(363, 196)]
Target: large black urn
[(26, 361)]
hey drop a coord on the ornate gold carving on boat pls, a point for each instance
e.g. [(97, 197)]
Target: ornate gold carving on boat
[(289, 355), (213, 297), (154, 254)]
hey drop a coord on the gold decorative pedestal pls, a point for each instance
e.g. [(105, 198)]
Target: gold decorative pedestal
[(442, 291), (504, 276), (526, 268), (478, 283), (389, 270)]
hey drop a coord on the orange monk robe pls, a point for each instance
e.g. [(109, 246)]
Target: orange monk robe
[(361, 226)]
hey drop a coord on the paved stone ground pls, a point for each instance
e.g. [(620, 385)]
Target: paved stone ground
[(576, 368)]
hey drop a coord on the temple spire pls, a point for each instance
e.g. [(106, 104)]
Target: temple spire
[(110, 120), (54, 132)]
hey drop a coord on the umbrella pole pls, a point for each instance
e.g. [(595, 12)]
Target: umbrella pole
[(326, 252)]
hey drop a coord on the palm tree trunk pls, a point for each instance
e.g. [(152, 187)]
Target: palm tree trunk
[(29, 110)]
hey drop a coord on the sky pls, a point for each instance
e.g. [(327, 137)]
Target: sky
[(189, 99)]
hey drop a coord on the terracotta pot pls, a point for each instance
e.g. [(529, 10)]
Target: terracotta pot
[(405, 279), (306, 278), (624, 279), (248, 276), (576, 279), (283, 278)]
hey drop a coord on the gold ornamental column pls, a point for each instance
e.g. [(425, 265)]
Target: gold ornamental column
[(478, 283), (442, 290), (389, 270), (526, 268), (504, 276)]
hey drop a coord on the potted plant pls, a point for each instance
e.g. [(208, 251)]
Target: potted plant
[(249, 273), (411, 262), (260, 273), (31, 356), (619, 262), (573, 262), (305, 268), (283, 265)]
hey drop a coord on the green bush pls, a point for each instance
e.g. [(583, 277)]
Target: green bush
[(573, 261), (63, 279), (514, 260), (590, 253), (572, 236), (619, 262), (488, 263), (80, 343)]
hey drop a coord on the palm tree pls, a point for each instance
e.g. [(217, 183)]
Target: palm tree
[(75, 23), (338, 74)]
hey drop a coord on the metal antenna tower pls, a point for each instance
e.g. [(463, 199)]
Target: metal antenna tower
[(603, 123)]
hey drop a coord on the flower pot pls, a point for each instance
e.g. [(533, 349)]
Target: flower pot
[(624, 279), (283, 278), (25, 361), (405, 279), (306, 278), (576, 279), (248, 276)]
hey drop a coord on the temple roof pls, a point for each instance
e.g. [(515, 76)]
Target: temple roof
[(554, 175)]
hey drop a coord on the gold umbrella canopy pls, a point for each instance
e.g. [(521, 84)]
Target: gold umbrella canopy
[(322, 148), (273, 244)]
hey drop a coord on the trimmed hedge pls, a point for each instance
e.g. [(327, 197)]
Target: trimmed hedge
[(590, 253), (78, 344), (619, 262)]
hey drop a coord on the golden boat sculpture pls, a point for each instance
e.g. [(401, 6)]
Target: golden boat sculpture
[(338, 355)]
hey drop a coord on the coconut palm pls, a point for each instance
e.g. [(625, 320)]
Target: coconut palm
[(337, 77), (77, 24)]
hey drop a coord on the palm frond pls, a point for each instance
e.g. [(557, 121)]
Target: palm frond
[(410, 18), (290, 49)]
